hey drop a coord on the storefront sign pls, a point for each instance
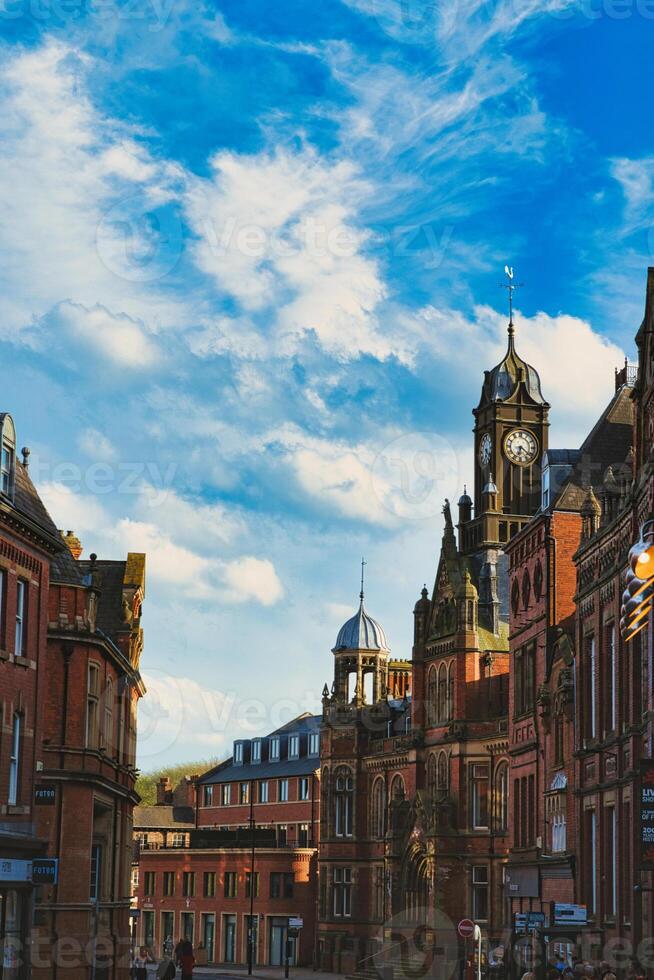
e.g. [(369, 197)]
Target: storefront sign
[(45, 794), (45, 871), (564, 914), (522, 883), (12, 870), (646, 815)]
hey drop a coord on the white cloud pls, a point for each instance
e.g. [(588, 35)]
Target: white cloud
[(75, 199), (96, 445), (255, 578), (116, 337), (636, 179), (280, 231)]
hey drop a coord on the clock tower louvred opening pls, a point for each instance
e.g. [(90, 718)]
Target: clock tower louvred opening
[(510, 432)]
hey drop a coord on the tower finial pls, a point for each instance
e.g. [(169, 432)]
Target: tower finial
[(363, 565), (510, 287)]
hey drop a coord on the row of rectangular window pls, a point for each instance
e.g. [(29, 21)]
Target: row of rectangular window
[(20, 614), (224, 795), (280, 885), (274, 748)]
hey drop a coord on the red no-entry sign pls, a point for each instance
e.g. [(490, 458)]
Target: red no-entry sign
[(466, 928)]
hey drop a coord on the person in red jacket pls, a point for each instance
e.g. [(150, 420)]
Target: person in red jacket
[(187, 960)]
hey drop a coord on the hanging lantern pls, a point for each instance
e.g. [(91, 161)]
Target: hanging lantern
[(639, 581)]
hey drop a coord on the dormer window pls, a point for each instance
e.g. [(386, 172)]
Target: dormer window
[(546, 487), (274, 749), (314, 743), (294, 747), (7, 456), (238, 753), (256, 750)]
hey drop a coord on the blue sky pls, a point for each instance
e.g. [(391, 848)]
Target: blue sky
[(249, 272)]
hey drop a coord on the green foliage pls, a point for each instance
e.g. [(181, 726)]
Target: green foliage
[(146, 784)]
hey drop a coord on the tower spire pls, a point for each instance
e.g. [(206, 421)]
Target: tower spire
[(363, 565), (510, 287)]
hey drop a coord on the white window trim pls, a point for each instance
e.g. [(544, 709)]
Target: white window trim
[(14, 762)]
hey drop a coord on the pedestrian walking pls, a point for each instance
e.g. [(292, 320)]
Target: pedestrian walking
[(187, 960), (166, 969), (140, 965)]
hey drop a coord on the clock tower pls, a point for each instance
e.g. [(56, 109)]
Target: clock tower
[(510, 433)]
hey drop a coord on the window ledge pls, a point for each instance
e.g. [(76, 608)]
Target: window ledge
[(4, 655), (22, 661)]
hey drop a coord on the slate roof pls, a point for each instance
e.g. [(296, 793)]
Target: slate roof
[(229, 771), (164, 818), (28, 502), (111, 575), (607, 444), (361, 632)]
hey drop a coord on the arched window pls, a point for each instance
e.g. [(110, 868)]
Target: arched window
[(442, 692), (515, 596), (397, 788), (443, 774), (538, 580), (343, 802), (432, 696), (502, 796), (324, 803), (432, 775), (378, 809), (108, 726), (526, 589), (450, 692)]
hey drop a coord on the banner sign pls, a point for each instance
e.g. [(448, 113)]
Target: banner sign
[(646, 815)]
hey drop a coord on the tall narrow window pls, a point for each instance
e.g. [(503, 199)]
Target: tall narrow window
[(96, 872), (342, 892), (21, 616), (6, 469), (14, 762), (480, 892), (502, 797), (611, 854), (442, 693), (432, 696), (479, 796), (92, 694), (108, 731), (591, 688), (450, 692), (432, 775), (3, 594), (344, 799), (611, 692), (378, 808), (443, 774)]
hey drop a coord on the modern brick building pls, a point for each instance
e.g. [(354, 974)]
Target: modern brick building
[(216, 889), (70, 645)]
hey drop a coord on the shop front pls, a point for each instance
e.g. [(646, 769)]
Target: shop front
[(15, 916)]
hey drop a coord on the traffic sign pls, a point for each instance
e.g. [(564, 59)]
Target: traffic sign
[(466, 928)]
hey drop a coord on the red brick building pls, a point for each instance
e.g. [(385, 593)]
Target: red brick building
[(213, 888), (28, 542), (70, 645), (546, 838), (614, 680), (416, 793)]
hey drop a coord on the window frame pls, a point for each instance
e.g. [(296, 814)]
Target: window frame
[(22, 603), (13, 791)]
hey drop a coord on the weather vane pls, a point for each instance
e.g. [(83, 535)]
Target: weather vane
[(363, 565), (510, 287)]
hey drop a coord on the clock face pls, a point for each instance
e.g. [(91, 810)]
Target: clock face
[(521, 447), (485, 449)]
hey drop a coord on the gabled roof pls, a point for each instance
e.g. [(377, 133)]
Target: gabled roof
[(607, 444), (164, 818)]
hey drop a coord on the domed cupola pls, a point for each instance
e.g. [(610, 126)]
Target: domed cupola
[(361, 632), (501, 382), (361, 652)]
